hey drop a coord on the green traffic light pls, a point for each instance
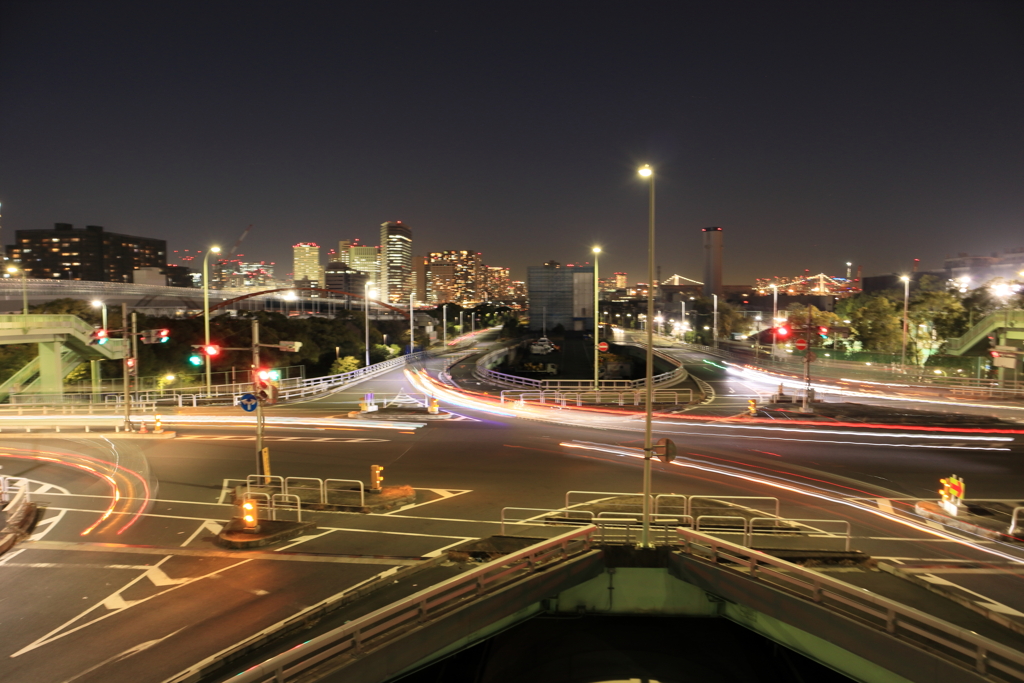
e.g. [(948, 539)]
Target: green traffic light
[(195, 360)]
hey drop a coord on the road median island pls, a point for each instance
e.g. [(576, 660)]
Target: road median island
[(989, 518)]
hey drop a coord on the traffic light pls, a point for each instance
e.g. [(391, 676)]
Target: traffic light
[(781, 331), (249, 513), (133, 366), (823, 331), (98, 336), (211, 350), (195, 359), (376, 478), (156, 336)]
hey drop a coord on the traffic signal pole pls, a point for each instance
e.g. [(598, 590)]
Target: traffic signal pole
[(124, 369), (262, 457), (807, 363)]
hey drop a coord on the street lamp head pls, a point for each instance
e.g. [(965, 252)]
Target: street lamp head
[(904, 278), (646, 171), (215, 250), (97, 303), (596, 250), (12, 269)]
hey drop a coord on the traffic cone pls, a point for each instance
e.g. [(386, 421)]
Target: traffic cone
[(142, 429)]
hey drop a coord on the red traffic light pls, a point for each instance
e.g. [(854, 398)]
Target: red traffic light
[(823, 330), (263, 374), (211, 350), (782, 331), (995, 354)]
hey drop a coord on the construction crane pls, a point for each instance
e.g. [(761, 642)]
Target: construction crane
[(238, 242)]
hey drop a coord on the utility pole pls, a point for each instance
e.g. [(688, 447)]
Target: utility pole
[(805, 408), (412, 323), (262, 457), (714, 329), (135, 351), (444, 323), (124, 368)]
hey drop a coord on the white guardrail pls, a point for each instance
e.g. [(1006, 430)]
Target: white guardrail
[(483, 373), (397, 617), (953, 643)]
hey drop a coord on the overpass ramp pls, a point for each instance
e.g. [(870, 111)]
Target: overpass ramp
[(64, 342)]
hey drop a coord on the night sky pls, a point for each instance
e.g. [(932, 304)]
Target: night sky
[(813, 132)]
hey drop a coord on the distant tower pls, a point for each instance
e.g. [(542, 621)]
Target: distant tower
[(397, 279), (307, 264), (712, 261)]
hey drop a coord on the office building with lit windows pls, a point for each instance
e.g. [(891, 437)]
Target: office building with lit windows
[(307, 264), (467, 274), (90, 254), (396, 279)]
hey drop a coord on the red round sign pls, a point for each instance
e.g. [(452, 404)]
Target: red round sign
[(801, 344), (603, 346)]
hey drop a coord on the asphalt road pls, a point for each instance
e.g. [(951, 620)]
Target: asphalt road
[(144, 600)]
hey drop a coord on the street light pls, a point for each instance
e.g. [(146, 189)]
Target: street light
[(597, 322), (906, 301), (206, 309), (645, 537), (775, 316), (24, 290), (98, 304), (366, 313)]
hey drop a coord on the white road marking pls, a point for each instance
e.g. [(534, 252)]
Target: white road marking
[(451, 494), (124, 655), (985, 601), (885, 505), (208, 524), (437, 553), (59, 632), (49, 523)]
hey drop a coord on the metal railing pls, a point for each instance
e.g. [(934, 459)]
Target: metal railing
[(547, 516), (482, 372), (621, 398), (953, 643), (387, 622)]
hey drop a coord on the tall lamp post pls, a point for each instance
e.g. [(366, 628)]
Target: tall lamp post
[(906, 302), (775, 317), (206, 310), (645, 536), (412, 323), (99, 304), (366, 315), (24, 289), (597, 319)]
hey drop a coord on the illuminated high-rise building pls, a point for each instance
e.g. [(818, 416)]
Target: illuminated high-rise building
[(468, 274), (497, 285), (620, 280), (396, 279), (307, 263)]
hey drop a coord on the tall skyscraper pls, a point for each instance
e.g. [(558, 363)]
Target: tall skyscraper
[(497, 285), (396, 279), (467, 286), (307, 264)]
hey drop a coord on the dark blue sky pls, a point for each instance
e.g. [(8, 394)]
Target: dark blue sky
[(813, 132)]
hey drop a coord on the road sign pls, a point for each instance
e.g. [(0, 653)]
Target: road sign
[(248, 402), (668, 450), (801, 344), (602, 347)]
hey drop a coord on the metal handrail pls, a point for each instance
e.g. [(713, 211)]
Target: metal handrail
[(751, 531), (608, 494), (866, 607), (725, 499), (328, 489), (417, 608), (588, 515)]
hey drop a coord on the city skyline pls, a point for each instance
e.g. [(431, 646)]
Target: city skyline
[(813, 133)]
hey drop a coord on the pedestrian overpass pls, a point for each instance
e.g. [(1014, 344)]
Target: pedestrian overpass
[(1006, 326), (64, 343)]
